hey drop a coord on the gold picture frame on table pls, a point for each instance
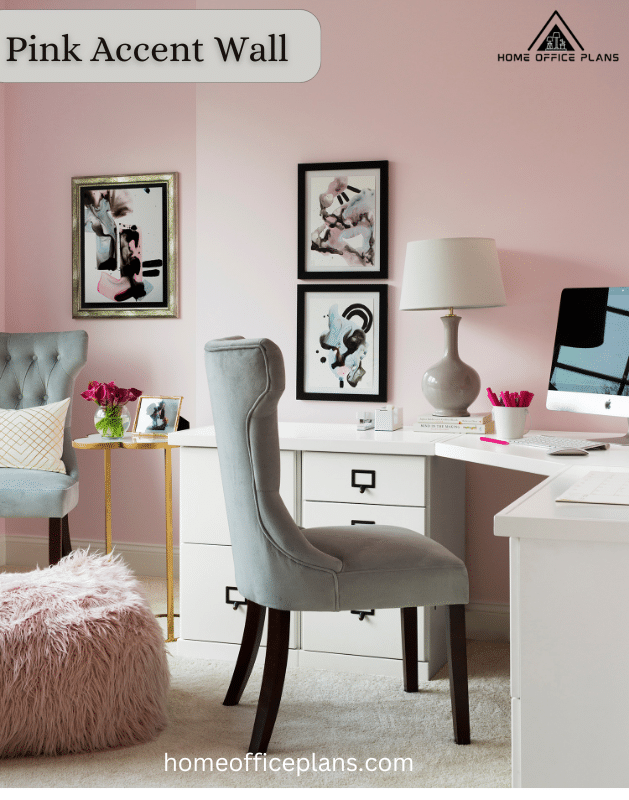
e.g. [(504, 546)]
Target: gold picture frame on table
[(156, 415), (124, 246)]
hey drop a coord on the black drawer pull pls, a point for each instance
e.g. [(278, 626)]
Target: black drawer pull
[(358, 481), (230, 600), (362, 522), (363, 614)]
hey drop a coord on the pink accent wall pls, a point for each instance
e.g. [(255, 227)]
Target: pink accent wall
[(2, 241), (533, 155), (2, 209), (55, 132)]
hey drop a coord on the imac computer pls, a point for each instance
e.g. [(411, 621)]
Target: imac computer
[(590, 369)]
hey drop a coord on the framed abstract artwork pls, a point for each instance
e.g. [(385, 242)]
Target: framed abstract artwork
[(343, 220), (124, 246), (342, 342)]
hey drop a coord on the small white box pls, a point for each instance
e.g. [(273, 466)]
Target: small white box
[(388, 418), (364, 420)]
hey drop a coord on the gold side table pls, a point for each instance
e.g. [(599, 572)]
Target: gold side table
[(138, 442)]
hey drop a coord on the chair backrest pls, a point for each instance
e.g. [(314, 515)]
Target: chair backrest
[(275, 564), (40, 368)]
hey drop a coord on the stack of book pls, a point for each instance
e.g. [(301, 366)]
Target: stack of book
[(475, 423)]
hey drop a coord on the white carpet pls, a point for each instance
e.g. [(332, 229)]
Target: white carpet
[(323, 716)]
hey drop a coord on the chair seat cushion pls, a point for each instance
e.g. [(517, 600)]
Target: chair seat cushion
[(82, 659), (390, 567), (33, 493)]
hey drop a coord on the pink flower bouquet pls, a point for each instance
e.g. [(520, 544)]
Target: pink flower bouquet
[(111, 399)]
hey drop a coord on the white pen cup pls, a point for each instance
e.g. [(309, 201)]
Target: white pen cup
[(510, 422)]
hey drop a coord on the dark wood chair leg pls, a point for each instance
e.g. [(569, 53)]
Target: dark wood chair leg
[(409, 649), (254, 623), (59, 544), (55, 537), (272, 680), (66, 544), (457, 663)]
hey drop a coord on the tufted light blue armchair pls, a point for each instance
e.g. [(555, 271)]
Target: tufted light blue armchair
[(285, 568), (37, 369)]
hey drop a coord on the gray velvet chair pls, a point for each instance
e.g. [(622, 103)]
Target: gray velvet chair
[(285, 568), (37, 369)]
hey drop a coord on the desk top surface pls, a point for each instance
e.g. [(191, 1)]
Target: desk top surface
[(329, 437), (343, 438), (530, 459), (538, 515)]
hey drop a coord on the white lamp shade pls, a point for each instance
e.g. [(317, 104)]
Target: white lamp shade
[(452, 273)]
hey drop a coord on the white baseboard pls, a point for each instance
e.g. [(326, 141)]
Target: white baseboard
[(489, 621), (146, 560)]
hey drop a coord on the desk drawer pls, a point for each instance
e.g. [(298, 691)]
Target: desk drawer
[(207, 578), (202, 505), (317, 514), (377, 635), (391, 479)]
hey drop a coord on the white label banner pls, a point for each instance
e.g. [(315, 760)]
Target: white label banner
[(193, 46)]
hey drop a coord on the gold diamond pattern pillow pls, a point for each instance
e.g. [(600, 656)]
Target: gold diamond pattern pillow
[(32, 438)]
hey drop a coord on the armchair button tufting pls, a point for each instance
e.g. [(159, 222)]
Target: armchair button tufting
[(8, 358), (58, 357), (34, 358)]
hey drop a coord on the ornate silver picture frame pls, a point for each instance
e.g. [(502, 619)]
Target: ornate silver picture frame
[(124, 246)]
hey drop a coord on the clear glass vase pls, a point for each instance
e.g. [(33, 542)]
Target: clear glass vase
[(112, 422)]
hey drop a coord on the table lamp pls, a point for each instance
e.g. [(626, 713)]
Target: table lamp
[(451, 273)]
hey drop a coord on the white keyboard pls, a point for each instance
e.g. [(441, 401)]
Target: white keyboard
[(558, 442)]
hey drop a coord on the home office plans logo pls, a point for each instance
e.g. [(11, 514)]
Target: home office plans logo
[(556, 42)]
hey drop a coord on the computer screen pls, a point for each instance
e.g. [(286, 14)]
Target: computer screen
[(590, 368)]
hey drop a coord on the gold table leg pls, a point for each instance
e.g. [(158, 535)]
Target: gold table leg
[(96, 443), (168, 479), (107, 500)]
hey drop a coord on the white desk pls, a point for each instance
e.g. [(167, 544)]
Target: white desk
[(569, 577), (414, 489), (569, 567)]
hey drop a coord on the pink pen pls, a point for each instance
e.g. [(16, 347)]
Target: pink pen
[(495, 441), (492, 397)]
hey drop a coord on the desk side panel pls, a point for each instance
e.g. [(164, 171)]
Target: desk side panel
[(445, 523), (574, 651), (445, 511)]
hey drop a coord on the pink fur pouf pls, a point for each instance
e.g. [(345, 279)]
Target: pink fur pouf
[(82, 659)]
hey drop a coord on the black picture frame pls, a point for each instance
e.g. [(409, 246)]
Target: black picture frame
[(326, 246), (330, 368), (124, 246)]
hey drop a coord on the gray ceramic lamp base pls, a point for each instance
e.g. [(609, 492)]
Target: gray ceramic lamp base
[(451, 386)]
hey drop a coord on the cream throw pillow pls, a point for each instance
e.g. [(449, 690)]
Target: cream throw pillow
[(32, 438)]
